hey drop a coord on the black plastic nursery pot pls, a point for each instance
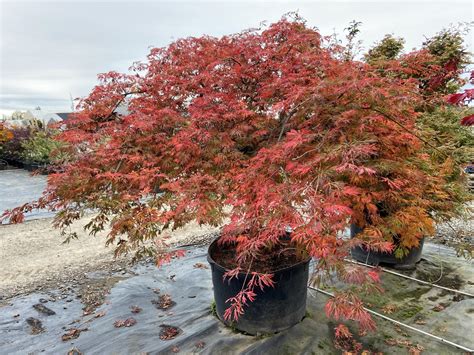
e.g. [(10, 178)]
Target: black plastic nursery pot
[(362, 255), (15, 163), (35, 167), (28, 167), (274, 309)]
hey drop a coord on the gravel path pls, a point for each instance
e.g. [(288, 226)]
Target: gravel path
[(19, 186), (33, 256)]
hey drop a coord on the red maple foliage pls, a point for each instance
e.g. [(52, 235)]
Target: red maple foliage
[(268, 128), (464, 98), (247, 294)]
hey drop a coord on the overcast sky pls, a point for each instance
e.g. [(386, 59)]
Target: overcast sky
[(50, 50)]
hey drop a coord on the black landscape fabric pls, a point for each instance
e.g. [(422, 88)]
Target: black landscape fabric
[(167, 310)]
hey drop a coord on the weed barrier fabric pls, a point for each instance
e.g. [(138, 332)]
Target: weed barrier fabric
[(188, 282)]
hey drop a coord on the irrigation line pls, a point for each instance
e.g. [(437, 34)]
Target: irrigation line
[(412, 278), (402, 324)]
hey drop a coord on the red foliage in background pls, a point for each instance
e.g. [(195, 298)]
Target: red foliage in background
[(269, 129), (464, 98), (5, 134)]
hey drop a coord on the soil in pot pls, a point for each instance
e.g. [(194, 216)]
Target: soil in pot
[(275, 308), (408, 262), (276, 259)]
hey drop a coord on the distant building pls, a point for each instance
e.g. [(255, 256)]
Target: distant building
[(35, 117), (64, 115)]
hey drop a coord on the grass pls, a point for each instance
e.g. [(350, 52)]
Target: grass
[(213, 308), (408, 311)]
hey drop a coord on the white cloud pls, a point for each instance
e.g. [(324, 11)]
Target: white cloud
[(51, 49)]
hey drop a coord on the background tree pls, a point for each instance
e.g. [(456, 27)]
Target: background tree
[(12, 148), (439, 64), (39, 147), (5, 133), (449, 52), (388, 48), (353, 44)]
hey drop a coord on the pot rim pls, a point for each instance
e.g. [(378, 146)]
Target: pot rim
[(211, 261)]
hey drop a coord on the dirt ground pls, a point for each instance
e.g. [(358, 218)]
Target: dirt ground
[(33, 256)]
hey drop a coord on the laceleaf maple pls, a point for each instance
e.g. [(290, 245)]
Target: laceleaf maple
[(439, 67), (268, 128)]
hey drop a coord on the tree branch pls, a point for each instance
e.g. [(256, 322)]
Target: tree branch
[(390, 118)]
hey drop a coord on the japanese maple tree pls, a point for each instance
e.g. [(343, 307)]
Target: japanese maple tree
[(440, 67), (267, 129)]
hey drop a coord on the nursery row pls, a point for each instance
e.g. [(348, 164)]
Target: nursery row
[(30, 148)]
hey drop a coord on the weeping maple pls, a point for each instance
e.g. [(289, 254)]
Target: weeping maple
[(264, 130)]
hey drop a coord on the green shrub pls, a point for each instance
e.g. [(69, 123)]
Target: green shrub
[(38, 148)]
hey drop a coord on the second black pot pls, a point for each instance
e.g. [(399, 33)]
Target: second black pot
[(274, 309), (407, 262), (40, 168)]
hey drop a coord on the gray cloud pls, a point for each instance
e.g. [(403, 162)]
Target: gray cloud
[(51, 49)]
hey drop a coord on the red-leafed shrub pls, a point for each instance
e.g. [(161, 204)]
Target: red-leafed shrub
[(270, 129)]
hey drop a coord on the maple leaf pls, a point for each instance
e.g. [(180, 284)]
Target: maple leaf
[(389, 308), (135, 309), (129, 322), (342, 331), (468, 120), (72, 333)]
